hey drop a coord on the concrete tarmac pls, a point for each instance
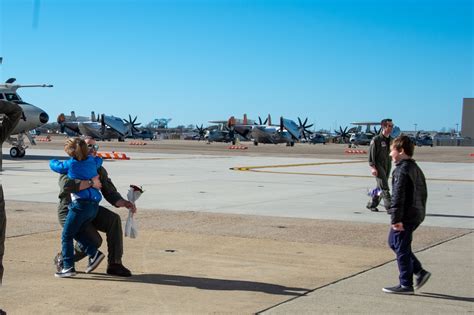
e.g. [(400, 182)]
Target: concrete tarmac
[(280, 235)]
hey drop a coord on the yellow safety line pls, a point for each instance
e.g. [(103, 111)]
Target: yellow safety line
[(250, 168), (257, 169)]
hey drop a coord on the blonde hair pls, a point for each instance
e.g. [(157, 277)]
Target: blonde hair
[(76, 148)]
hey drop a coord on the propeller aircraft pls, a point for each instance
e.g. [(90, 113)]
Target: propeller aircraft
[(360, 137), (287, 132), (105, 128), (227, 130)]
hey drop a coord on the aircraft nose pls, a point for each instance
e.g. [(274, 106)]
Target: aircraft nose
[(43, 118)]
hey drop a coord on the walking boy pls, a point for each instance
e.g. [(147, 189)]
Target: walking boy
[(407, 211)]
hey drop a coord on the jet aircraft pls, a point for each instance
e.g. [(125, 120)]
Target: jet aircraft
[(32, 117)]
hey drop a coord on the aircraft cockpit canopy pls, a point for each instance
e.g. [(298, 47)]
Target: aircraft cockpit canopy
[(10, 97)]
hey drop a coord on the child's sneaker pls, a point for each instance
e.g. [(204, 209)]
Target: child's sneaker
[(399, 289), (66, 273), (421, 279), (95, 261)]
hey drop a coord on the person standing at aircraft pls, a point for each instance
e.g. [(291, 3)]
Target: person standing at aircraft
[(11, 113), (380, 164), (105, 221), (407, 210), (83, 207)]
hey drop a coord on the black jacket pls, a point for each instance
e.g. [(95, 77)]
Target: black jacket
[(409, 194)]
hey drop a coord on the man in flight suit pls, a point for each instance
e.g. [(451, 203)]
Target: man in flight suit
[(380, 164)]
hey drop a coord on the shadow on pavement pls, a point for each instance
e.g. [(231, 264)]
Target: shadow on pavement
[(36, 157), (446, 297), (450, 216), (205, 283)]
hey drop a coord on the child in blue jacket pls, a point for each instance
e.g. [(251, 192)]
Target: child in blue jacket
[(83, 207)]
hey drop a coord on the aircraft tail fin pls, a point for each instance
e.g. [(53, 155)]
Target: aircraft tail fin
[(231, 121)]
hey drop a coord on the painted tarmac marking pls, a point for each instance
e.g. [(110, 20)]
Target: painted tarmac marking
[(257, 169), (178, 158)]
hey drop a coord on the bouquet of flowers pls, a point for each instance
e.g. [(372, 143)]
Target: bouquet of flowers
[(131, 229), (375, 192)]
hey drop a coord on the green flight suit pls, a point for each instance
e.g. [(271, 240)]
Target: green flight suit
[(11, 116), (379, 157), (106, 221)]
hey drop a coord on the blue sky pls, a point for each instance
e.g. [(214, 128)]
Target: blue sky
[(334, 62)]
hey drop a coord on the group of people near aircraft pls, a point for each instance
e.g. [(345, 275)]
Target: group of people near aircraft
[(74, 194), (83, 176)]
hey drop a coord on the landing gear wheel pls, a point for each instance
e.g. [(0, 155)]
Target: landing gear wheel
[(15, 152), (255, 143), (22, 152)]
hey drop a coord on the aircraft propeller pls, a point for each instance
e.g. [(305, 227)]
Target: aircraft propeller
[(231, 130), (343, 134), (132, 123), (201, 131), (262, 122), (304, 129), (102, 125)]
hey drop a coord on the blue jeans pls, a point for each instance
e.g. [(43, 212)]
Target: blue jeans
[(408, 264), (80, 213)]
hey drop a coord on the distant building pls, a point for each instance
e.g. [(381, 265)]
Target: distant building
[(467, 126)]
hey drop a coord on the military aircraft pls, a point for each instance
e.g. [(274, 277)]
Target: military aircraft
[(286, 132), (104, 128), (317, 138), (360, 137), (423, 139), (343, 135), (228, 130), (70, 124), (32, 117)]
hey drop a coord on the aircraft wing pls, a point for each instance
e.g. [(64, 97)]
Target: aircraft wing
[(116, 124), (291, 127), (365, 123)]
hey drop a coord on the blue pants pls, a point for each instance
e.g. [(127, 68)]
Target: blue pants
[(80, 213), (408, 264)]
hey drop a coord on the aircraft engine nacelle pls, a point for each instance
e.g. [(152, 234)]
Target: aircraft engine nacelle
[(32, 117)]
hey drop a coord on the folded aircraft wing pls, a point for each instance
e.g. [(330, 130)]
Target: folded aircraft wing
[(291, 127), (116, 124)]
